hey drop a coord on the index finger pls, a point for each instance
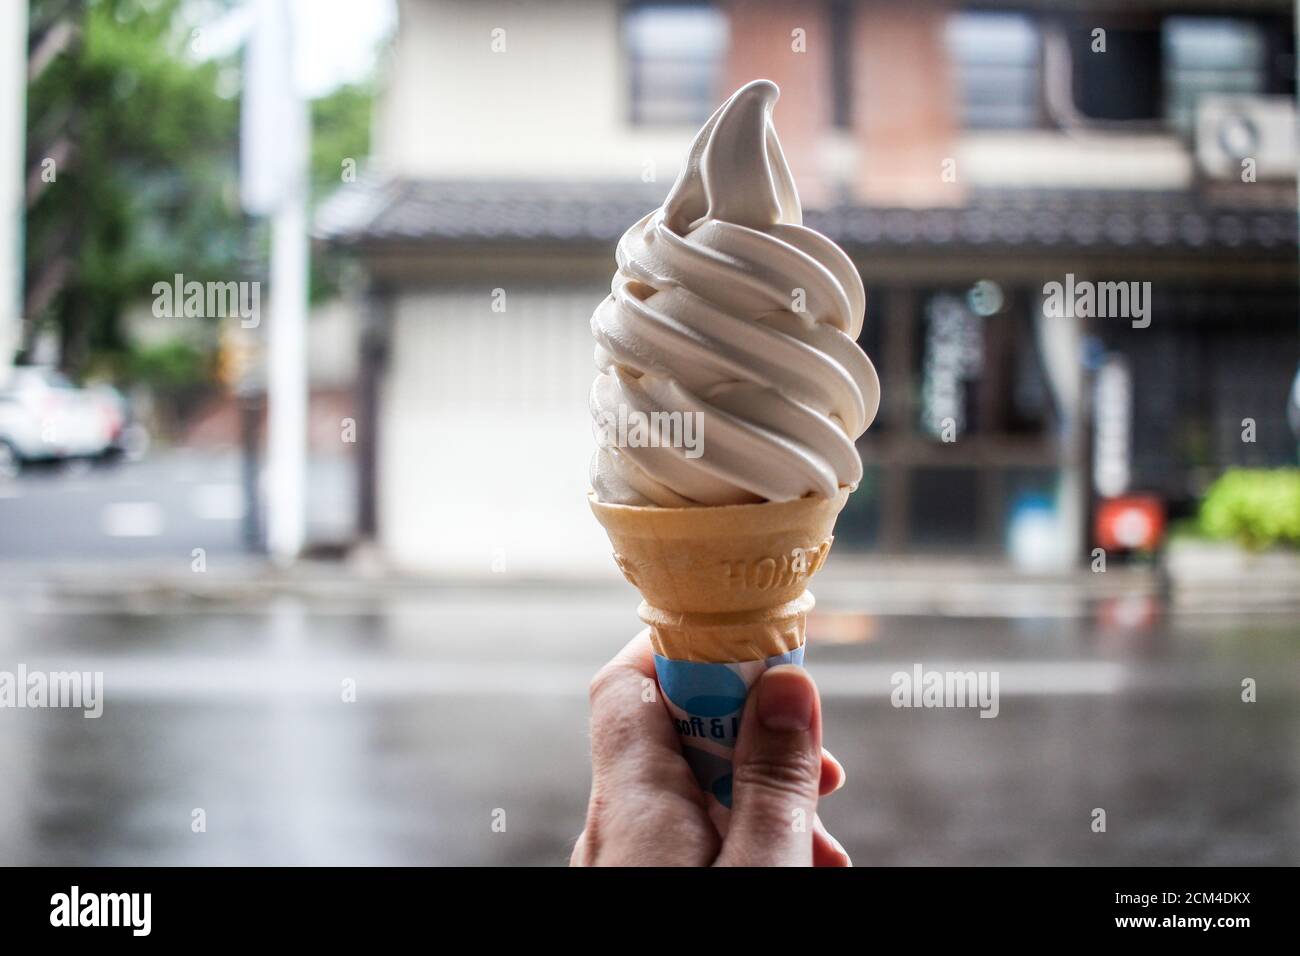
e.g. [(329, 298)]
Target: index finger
[(627, 715)]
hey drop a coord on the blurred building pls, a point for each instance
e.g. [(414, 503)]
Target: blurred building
[(967, 156)]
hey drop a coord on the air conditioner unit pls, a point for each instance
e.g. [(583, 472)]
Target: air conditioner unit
[(1233, 129)]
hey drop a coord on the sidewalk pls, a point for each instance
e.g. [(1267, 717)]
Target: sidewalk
[(879, 585), (1217, 577), (131, 533)]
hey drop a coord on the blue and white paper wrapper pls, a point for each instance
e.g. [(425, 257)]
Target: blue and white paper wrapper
[(706, 702)]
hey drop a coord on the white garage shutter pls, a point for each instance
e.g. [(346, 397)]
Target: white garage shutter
[(486, 437)]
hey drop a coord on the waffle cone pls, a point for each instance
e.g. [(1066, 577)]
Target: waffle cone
[(726, 583)]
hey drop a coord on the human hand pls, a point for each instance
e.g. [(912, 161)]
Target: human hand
[(646, 808)]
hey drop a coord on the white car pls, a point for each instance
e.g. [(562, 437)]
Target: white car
[(44, 416)]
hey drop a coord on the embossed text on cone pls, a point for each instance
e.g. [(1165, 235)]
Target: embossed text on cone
[(726, 583)]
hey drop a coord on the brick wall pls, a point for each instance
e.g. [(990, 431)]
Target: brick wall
[(764, 45), (902, 104)]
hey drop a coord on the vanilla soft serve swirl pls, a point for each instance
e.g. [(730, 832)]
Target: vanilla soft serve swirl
[(725, 307)]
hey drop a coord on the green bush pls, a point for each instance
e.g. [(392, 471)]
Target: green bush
[(172, 365), (1258, 508)]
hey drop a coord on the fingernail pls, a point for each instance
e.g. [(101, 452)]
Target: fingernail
[(785, 699), (844, 777), (840, 846)]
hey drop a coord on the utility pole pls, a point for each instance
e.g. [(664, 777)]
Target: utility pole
[(273, 181), (286, 382)]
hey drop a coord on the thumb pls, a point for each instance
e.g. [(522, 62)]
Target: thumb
[(777, 772)]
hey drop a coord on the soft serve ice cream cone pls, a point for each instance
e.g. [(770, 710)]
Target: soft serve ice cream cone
[(730, 392)]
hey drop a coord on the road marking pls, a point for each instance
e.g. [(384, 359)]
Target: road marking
[(217, 502), (1017, 678), (131, 519), (198, 678)]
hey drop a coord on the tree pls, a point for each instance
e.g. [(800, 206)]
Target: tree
[(142, 141), (144, 171)]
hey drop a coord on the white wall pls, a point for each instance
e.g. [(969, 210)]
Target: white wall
[(553, 106), (1041, 159), (486, 437)]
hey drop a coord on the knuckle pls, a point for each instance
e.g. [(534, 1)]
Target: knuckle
[(620, 828), (613, 737), (582, 854), (614, 719), (793, 774), (604, 681), (587, 850)]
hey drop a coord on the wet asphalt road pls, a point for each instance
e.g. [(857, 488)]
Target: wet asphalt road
[(472, 701), (159, 509)]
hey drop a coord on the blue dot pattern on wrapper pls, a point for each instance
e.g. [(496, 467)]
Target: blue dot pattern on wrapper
[(706, 701), (707, 690)]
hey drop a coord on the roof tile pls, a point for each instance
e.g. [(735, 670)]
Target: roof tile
[(374, 212)]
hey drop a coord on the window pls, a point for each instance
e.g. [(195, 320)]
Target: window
[(841, 19), (996, 57), (1158, 69), (1122, 83), (951, 362), (944, 508), (1204, 55), (978, 366), (675, 54)]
